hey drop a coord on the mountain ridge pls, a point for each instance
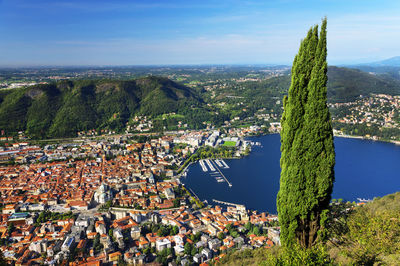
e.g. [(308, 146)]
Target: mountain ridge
[(392, 61), (66, 107)]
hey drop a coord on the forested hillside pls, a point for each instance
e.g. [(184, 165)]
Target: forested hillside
[(345, 84), (64, 108)]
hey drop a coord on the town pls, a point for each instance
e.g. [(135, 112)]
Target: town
[(375, 117), (118, 199)]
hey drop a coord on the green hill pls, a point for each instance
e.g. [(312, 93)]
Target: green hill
[(345, 84), (64, 108)]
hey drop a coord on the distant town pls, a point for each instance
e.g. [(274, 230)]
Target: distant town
[(373, 117)]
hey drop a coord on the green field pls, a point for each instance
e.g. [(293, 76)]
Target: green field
[(166, 116), (230, 143)]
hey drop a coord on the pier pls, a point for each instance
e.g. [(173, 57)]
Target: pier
[(239, 206), (222, 161), (210, 165), (218, 162), (194, 194), (226, 179), (203, 166)]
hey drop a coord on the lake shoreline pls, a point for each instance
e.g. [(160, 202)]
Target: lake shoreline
[(342, 136), (369, 166), (365, 138)]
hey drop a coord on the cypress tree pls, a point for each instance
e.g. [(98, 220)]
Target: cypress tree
[(307, 150)]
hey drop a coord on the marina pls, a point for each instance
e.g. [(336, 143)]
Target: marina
[(255, 143), (223, 176), (210, 165), (224, 163), (203, 166), (256, 177), (218, 162)]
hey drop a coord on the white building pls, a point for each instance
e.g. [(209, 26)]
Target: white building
[(162, 244), (102, 194)]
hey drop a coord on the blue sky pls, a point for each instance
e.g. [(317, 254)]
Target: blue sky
[(116, 32)]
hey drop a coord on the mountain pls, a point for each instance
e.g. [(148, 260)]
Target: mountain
[(345, 84), (393, 61), (388, 67), (66, 107)]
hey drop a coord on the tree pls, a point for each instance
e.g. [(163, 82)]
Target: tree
[(174, 230), (187, 248), (307, 148), (248, 226), (10, 228), (256, 230), (97, 246), (111, 233), (221, 236)]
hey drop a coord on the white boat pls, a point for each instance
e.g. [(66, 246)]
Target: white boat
[(363, 200)]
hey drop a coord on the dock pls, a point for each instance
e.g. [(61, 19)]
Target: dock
[(218, 162), (229, 203), (203, 166), (194, 194), (226, 179), (210, 165), (222, 161)]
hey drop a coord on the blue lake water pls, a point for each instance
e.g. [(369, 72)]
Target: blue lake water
[(364, 169)]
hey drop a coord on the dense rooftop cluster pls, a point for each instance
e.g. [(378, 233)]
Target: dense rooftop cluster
[(114, 200), (369, 116), (378, 109)]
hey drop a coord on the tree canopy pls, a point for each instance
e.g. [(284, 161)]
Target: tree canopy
[(308, 155)]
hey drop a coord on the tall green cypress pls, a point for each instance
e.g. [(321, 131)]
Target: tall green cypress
[(308, 155)]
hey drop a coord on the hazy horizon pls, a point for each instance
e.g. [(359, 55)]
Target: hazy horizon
[(227, 32)]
